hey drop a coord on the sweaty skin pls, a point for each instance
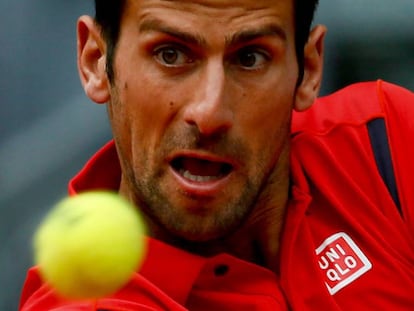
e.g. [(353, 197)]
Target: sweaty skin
[(200, 113)]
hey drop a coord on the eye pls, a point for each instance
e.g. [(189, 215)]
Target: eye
[(252, 58), (171, 56)]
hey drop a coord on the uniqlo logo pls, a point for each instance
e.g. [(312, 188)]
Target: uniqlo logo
[(342, 261)]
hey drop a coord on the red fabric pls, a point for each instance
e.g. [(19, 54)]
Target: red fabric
[(342, 229), (339, 193), (102, 171), (170, 279)]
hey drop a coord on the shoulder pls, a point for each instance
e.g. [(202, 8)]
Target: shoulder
[(359, 136), (355, 105)]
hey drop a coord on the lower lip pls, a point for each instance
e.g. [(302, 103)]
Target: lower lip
[(201, 189)]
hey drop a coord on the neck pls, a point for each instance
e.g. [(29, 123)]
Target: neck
[(263, 228)]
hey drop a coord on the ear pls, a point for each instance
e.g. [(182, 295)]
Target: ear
[(92, 60), (308, 90)]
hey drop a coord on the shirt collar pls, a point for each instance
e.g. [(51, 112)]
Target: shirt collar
[(172, 270), (101, 172)]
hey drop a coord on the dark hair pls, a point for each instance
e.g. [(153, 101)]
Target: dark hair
[(108, 16), (304, 13)]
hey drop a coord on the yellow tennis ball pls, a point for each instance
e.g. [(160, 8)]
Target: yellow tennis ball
[(89, 245)]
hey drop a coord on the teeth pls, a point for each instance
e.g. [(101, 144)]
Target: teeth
[(197, 178)]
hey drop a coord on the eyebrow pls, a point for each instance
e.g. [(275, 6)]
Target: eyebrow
[(154, 24), (269, 30)]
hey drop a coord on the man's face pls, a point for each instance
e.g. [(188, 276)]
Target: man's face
[(200, 108)]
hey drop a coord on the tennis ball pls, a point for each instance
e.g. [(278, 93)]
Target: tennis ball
[(89, 245)]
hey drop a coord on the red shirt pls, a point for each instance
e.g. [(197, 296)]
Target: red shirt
[(170, 278), (346, 244)]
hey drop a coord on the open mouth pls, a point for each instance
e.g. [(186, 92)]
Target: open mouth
[(200, 170)]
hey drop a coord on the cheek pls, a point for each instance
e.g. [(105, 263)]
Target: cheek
[(142, 105), (267, 110), (147, 114), (266, 125)]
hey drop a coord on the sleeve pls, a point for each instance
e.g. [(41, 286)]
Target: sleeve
[(138, 294), (398, 105)]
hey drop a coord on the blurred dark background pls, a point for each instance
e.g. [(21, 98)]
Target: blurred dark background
[(48, 128)]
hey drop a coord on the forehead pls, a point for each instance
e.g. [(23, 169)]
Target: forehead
[(221, 16)]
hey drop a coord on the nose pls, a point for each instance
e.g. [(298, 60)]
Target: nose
[(210, 107)]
